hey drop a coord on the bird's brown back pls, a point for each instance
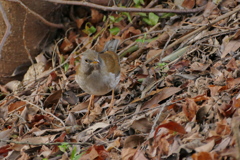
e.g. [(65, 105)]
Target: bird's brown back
[(111, 60)]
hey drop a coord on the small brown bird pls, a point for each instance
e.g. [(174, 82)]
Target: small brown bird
[(99, 73)]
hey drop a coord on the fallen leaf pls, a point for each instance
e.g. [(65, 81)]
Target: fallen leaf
[(143, 125), (189, 4), (133, 141), (165, 93), (231, 46), (114, 144), (139, 155), (128, 153), (207, 147), (202, 156)]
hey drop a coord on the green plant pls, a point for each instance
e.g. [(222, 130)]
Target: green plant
[(152, 19), (74, 155), (64, 147), (89, 29), (138, 2)]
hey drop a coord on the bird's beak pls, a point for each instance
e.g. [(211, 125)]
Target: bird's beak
[(95, 62)]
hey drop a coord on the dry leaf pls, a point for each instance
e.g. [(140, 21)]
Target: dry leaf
[(171, 126), (230, 47), (133, 141), (143, 125)]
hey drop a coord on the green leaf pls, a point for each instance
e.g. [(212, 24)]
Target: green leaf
[(66, 67), (63, 147), (92, 29), (153, 18), (146, 20), (150, 40), (140, 40), (143, 14), (89, 28), (118, 19), (137, 2), (162, 64), (166, 15), (142, 2), (141, 79), (74, 152), (104, 18), (112, 18), (114, 30), (128, 16)]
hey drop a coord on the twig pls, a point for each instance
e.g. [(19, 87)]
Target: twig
[(120, 9), (8, 28), (237, 9), (47, 144), (41, 109), (38, 16)]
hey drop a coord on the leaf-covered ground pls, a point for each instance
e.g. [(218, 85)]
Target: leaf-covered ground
[(178, 97)]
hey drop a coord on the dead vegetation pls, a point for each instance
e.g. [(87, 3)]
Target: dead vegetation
[(178, 97)]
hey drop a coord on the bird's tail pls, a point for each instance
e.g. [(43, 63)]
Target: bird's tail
[(111, 45)]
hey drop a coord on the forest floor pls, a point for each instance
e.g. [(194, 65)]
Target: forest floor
[(178, 96)]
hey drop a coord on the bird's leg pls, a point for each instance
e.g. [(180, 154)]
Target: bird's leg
[(91, 103), (111, 103)]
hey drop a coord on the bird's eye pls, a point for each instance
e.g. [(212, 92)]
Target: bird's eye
[(86, 60)]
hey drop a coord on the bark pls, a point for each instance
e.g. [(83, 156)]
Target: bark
[(27, 33)]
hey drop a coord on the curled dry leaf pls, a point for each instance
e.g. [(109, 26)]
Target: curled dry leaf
[(139, 155), (114, 144), (69, 97), (202, 156), (84, 135), (95, 152), (160, 41), (53, 99), (133, 141), (173, 126), (189, 4), (165, 93), (130, 32), (18, 106), (5, 135), (196, 66), (230, 47), (71, 120), (143, 125), (128, 153), (96, 16), (207, 147), (93, 114), (34, 72), (202, 113)]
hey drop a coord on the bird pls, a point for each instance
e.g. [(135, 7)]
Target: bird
[(99, 72)]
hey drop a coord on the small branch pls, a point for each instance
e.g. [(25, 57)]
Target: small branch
[(47, 144), (120, 9), (8, 28), (237, 9), (41, 109), (38, 16)]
